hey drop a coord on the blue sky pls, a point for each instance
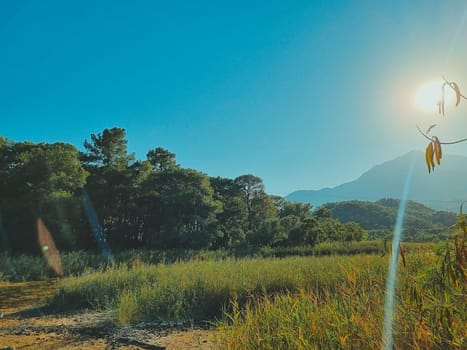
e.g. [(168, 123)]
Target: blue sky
[(304, 94)]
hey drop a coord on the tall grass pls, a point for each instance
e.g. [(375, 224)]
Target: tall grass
[(331, 302), (22, 267), (26, 267), (351, 317), (326, 248), (201, 290)]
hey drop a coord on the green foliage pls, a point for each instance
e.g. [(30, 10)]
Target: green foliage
[(39, 181), (161, 159), (108, 149), (420, 224), (299, 210), (252, 187), (308, 232), (232, 219), (354, 232), (153, 203), (185, 209)]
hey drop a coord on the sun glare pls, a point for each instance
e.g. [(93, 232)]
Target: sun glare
[(428, 95)]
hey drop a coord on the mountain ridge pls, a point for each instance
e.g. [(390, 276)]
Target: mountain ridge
[(444, 189)]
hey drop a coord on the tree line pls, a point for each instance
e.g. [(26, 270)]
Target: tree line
[(153, 203)]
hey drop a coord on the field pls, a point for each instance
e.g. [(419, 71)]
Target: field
[(294, 302)]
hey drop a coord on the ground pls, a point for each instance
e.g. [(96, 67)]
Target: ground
[(24, 324)]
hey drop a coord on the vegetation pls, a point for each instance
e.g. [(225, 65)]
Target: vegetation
[(189, 247), (289, 303), (104, 197), (431, 309), (23, 267), (420, 224), (200, 289)]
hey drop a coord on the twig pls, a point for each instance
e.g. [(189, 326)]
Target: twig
[(446, 82), (443, 143)]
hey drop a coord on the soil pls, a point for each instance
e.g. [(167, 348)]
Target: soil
[(26, 324)]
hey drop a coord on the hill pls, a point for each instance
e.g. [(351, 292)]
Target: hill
[(444, 189), (421, 223)]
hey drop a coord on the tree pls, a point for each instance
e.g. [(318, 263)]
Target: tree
[(232, 218), (300, 210), (108, 149), (265, 221), (323, 213), (307, 232), (181, 209), (251, 186), (161, 159), (41, 181), (353, 232), (112, 181)]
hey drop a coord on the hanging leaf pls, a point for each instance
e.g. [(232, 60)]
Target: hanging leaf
[(429, 153), (458, 93), (438, 152)]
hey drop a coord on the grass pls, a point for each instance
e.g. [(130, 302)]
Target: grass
[(291, 302), (202, 290), (331, 302), (23, 267), (429, 314)]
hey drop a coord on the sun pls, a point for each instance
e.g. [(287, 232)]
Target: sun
[(428, 95)]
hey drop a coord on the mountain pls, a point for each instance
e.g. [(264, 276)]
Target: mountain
[(444, 189)]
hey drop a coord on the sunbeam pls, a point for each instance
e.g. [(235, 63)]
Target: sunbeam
[(391, 278), (96, 227)]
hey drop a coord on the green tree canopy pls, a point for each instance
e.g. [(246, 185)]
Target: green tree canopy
[(161, 159), (108, 149)]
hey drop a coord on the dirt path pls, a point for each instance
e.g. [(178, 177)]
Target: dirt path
[(25, 325)]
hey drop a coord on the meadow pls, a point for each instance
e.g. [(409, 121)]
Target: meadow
[(274, 299), (26, 267)]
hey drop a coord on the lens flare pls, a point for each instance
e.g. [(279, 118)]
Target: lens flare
[(48, 248), (391, 278), (96, 227)]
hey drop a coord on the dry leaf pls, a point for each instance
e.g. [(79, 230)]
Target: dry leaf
[(458, 93), (438, 152), (429, 153)]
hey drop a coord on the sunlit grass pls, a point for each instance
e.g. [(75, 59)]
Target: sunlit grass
[(273, 300), (26, 267), (351, 317), (201, 290), (299, 302)]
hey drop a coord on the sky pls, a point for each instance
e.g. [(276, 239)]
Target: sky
[(304, 94)]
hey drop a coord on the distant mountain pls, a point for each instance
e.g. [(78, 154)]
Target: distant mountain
[(444, 189)]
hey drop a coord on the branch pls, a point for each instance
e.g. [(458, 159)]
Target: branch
[(446, 82), (443, 143)]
